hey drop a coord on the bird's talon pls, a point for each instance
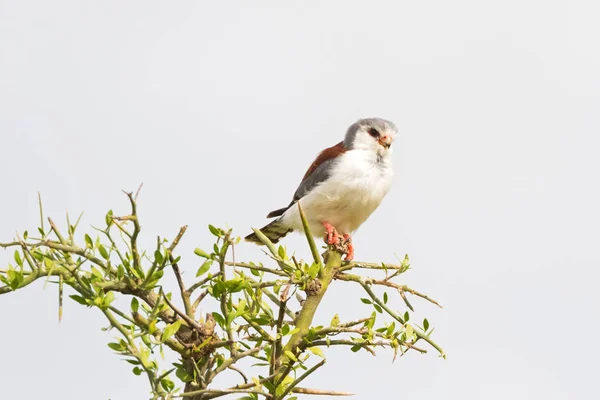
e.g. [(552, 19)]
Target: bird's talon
[(332, 238), (349, 247)]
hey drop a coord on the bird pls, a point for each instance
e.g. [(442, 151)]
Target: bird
[(341, 188)]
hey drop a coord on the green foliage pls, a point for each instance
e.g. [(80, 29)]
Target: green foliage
[(258, 312)]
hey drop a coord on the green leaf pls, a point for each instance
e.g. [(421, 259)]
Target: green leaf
[(215, 231), (313, 270), (290, 355), (219, 318), (146, 338), (108, 218), (409, 331), (204, 267), (96, 273), (18, 259), (285, 329), (390, 329), (385, 297), (108, 298), (281, 252), (135, 305), (167, 384), (79, 299), (235, 285), (116, 346), (316, 351), (137, 371), (201, 253), (103, 252), (183, 375), (366, 301), (425, 324), (88, 241), (293, 331), (355, 348), (335, 321), (371, 321), (378, 308), (170, 330), (218, 288), (15, 278), (241, 308), (158, 257), (406, 316)]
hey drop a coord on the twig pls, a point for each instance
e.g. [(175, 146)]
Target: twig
[(355, 322), (420, 335), (198, 300), (183, 315), (320, 392), (277, 348), (349, 342), (185, 296), (232, 360), (368, 265), (225, 300), (300, 379), (371, 281), (196, 285), (41, 215), (256, 268), (239, 371), (223, 392), (311, 241), (136, 230)]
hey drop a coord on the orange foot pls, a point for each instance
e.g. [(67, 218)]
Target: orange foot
[(349, 247), (332, 237)]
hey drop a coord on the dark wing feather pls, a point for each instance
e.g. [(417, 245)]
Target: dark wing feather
[(318, 172)]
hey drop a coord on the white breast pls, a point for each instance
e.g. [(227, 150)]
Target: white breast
[(355, 188)]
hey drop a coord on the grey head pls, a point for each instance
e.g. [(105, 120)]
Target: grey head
[(375, 134), (371, 134)]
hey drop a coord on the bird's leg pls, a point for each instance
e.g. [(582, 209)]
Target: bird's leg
[(349, 247), (332, 237), (342, 243)]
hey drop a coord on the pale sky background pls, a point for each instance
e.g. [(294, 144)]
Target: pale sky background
[(219, 107)]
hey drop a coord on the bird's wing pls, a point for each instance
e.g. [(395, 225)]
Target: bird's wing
[(318, 172)]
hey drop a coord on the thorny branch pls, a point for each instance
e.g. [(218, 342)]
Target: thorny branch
[(264, 312)]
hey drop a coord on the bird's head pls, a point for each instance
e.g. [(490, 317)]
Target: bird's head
[(374, 134)]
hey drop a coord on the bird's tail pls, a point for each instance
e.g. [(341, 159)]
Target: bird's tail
[(274, 231)]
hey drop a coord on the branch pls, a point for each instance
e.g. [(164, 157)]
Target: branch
[(300, 379), (223, 392), (320, 392), (185, 296), (225, 300), (309, 237), (136, 229), (233, 360), (384, 282), (183, 315), (420, 335), (256, 268), (307, 313)]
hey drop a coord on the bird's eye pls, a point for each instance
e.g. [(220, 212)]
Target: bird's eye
[(373, 132)]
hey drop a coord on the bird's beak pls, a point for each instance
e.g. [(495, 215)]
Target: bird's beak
[(385, 141)]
